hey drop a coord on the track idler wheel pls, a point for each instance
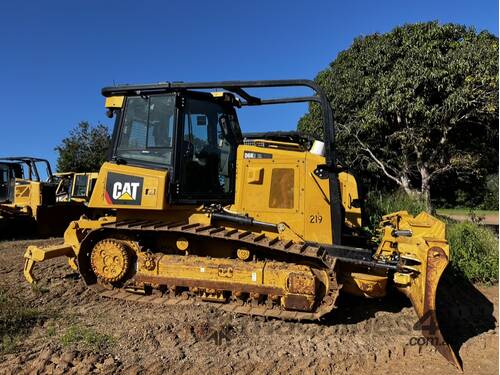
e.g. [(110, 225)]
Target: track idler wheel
[(110, 260)]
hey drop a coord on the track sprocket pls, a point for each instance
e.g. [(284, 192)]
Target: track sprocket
[(110, 260)]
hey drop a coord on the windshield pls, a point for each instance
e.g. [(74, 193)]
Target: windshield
[(44, 172), (147, 130), (80, 189)]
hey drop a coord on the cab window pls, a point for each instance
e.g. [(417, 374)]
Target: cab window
[(146, 134), (80, 189)]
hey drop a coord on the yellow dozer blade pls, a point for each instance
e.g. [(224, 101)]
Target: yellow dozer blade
[(35, 254), (424, 254)]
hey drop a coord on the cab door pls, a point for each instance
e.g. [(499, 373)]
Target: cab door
[(205, 161)]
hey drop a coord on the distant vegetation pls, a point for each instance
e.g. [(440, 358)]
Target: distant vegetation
[(491, 198), (84, 150), (417, 109), (379, 204)]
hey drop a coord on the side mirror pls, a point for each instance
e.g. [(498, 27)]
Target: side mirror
[(109, 112)]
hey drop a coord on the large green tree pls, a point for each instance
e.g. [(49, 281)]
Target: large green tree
[(84, 150), (414, 104)]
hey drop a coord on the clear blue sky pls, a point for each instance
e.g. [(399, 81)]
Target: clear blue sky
[(57, 55)]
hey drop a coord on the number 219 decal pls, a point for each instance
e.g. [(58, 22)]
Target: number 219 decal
[(315, 219)]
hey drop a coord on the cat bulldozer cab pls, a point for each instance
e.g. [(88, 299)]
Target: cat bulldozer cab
[(26, 182), (75, 187), (9, 171), (269, 224), (28, 199)]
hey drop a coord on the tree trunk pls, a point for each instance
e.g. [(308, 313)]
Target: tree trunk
[(405, 184), (425, 187)]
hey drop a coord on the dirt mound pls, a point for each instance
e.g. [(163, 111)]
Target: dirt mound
[(77, 331)]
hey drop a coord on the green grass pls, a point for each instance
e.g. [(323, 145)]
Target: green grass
[(51, 330), (86, 338), (9, 343), (474, 251), (465, 211), (16, 320)]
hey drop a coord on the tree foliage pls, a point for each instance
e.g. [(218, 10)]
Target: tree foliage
[(414, 104), (84, 150)]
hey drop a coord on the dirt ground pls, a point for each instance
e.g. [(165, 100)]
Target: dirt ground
[(484, 219), (81, 332)]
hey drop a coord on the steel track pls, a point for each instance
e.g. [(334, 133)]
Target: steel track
[(270, 247)]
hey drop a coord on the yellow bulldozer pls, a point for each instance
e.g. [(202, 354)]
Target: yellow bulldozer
[(269, 224), (34, 200), (75, 187)]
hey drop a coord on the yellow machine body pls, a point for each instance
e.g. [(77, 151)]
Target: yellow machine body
[(283, 187), (27, 196)]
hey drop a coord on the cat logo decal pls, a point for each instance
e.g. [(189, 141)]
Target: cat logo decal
[(123, 189)]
